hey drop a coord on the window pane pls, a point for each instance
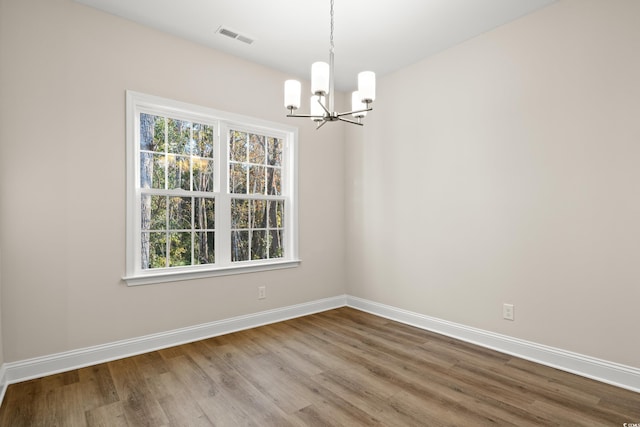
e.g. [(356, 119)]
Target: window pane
[(179, 135), (151, 175), (157, 171), (205, 213), (180, 213), (152, 132), (238, 178), (239, 246), (276, 214), (275, 151), (256, 179), (258, 214), (203, 140), (157, 250), (239, 213), (256, 149), (155, 218), (259, 244), (274, 181), (237, 146), (204, 248), (277, 244), (159, 134), (202, 174), (178, 172), (179, 249)]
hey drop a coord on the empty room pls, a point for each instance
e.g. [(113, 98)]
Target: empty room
[(320, 212)]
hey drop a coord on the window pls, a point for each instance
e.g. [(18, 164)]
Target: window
[(208, 193)]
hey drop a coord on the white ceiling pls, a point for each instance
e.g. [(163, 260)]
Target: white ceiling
[(376, 35)]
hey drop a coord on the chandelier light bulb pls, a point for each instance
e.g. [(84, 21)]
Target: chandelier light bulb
[(367, 86), (292, 89), (320, 78)]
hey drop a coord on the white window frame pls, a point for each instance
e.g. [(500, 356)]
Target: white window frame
[(222, 122)]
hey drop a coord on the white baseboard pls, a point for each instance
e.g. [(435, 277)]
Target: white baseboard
[(3, 381), (47, 365), (601, 370)]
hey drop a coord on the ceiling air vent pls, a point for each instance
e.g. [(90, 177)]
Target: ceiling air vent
[(234, 35)]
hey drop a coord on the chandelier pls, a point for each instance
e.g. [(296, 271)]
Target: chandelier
[(322, 99)]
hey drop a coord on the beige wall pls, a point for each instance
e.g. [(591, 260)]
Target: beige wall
[(65, 71), (1, 344), (502, 170), (3, 35), (505, 170)]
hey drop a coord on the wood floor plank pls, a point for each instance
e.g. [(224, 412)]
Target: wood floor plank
[(74, 399), (283, 390), (177, 399), (97, 382), (224, 410), (365, 392), (342, 367), (140, 408), (283, 343), (110, 415), (259, 407), (316, 357)]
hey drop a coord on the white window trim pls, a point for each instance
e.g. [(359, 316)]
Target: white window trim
[(139, 102)]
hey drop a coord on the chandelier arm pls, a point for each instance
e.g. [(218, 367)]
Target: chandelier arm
[(306, 116), (321, 124), (342, 119), (347, 113), (323, 107)]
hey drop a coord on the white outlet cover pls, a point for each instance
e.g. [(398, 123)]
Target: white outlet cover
[(507, 311)]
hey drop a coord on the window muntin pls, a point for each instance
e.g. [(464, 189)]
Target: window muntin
[(209, 193)]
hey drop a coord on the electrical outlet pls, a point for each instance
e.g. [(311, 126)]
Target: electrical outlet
[(507, 311), (262, 292)]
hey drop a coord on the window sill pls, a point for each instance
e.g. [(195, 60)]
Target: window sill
[(176, 276)]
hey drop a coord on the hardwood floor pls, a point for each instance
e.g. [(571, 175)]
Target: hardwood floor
[(341, 367)]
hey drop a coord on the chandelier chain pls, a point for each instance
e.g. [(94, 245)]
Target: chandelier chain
[(331, 36)]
